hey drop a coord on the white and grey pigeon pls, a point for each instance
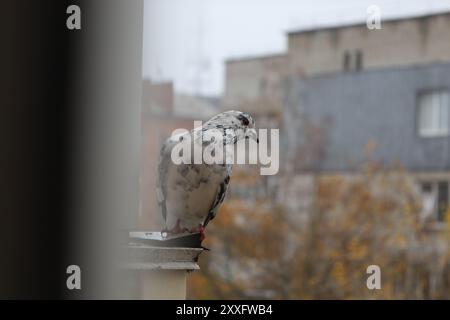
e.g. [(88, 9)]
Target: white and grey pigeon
[(189, 195)]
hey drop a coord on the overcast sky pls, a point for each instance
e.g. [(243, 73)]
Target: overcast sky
[(187, 41)]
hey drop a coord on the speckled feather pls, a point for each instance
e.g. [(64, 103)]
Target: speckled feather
[(192, 193)]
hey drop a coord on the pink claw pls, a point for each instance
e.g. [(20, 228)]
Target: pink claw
[(201, 230)]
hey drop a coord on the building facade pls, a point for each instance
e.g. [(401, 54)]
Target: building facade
[(339, 88), (400, 42), (254, 85), (403, 113)]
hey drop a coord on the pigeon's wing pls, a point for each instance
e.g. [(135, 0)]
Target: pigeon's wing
[(220, 196), (163, 168)]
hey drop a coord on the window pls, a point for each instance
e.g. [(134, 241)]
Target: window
[(442, 200), (427, 187), (434, 113), (359, 60), (353, 60), (435, 201), (346, 61)]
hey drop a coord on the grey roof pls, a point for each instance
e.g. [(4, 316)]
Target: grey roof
[(363, 23), (256, 57), (375, 105)]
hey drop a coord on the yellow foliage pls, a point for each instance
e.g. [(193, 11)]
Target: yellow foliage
[(259, 250)]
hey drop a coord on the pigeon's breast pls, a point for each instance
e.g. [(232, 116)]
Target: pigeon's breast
[(191, 191)]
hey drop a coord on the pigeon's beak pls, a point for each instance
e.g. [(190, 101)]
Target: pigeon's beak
[(251, 134)]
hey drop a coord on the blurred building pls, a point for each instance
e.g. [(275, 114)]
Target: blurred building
[(157, 97), (403, 112), (340, 88), (388, 87), (254, 85), (195, 107), (400, 42)]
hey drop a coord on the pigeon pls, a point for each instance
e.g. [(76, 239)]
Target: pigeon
[(189, 194)]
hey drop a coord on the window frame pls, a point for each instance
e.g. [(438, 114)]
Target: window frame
[(358, 60), (436, 130), (347, 61), (438, 214)]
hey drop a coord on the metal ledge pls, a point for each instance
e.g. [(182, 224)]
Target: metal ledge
[(156, 239), (145, 252)]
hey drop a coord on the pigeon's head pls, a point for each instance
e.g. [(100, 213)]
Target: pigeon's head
[(240, 124)]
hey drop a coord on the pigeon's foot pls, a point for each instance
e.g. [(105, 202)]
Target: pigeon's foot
[(202, 232), (200, 229), (175, 230)]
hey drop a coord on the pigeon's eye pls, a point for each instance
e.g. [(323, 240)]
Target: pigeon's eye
[(243, 120)]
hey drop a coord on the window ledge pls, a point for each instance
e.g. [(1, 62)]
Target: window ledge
[(433, 134), (146, 251)]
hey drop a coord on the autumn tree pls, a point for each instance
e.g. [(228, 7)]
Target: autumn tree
[(371, 217)]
